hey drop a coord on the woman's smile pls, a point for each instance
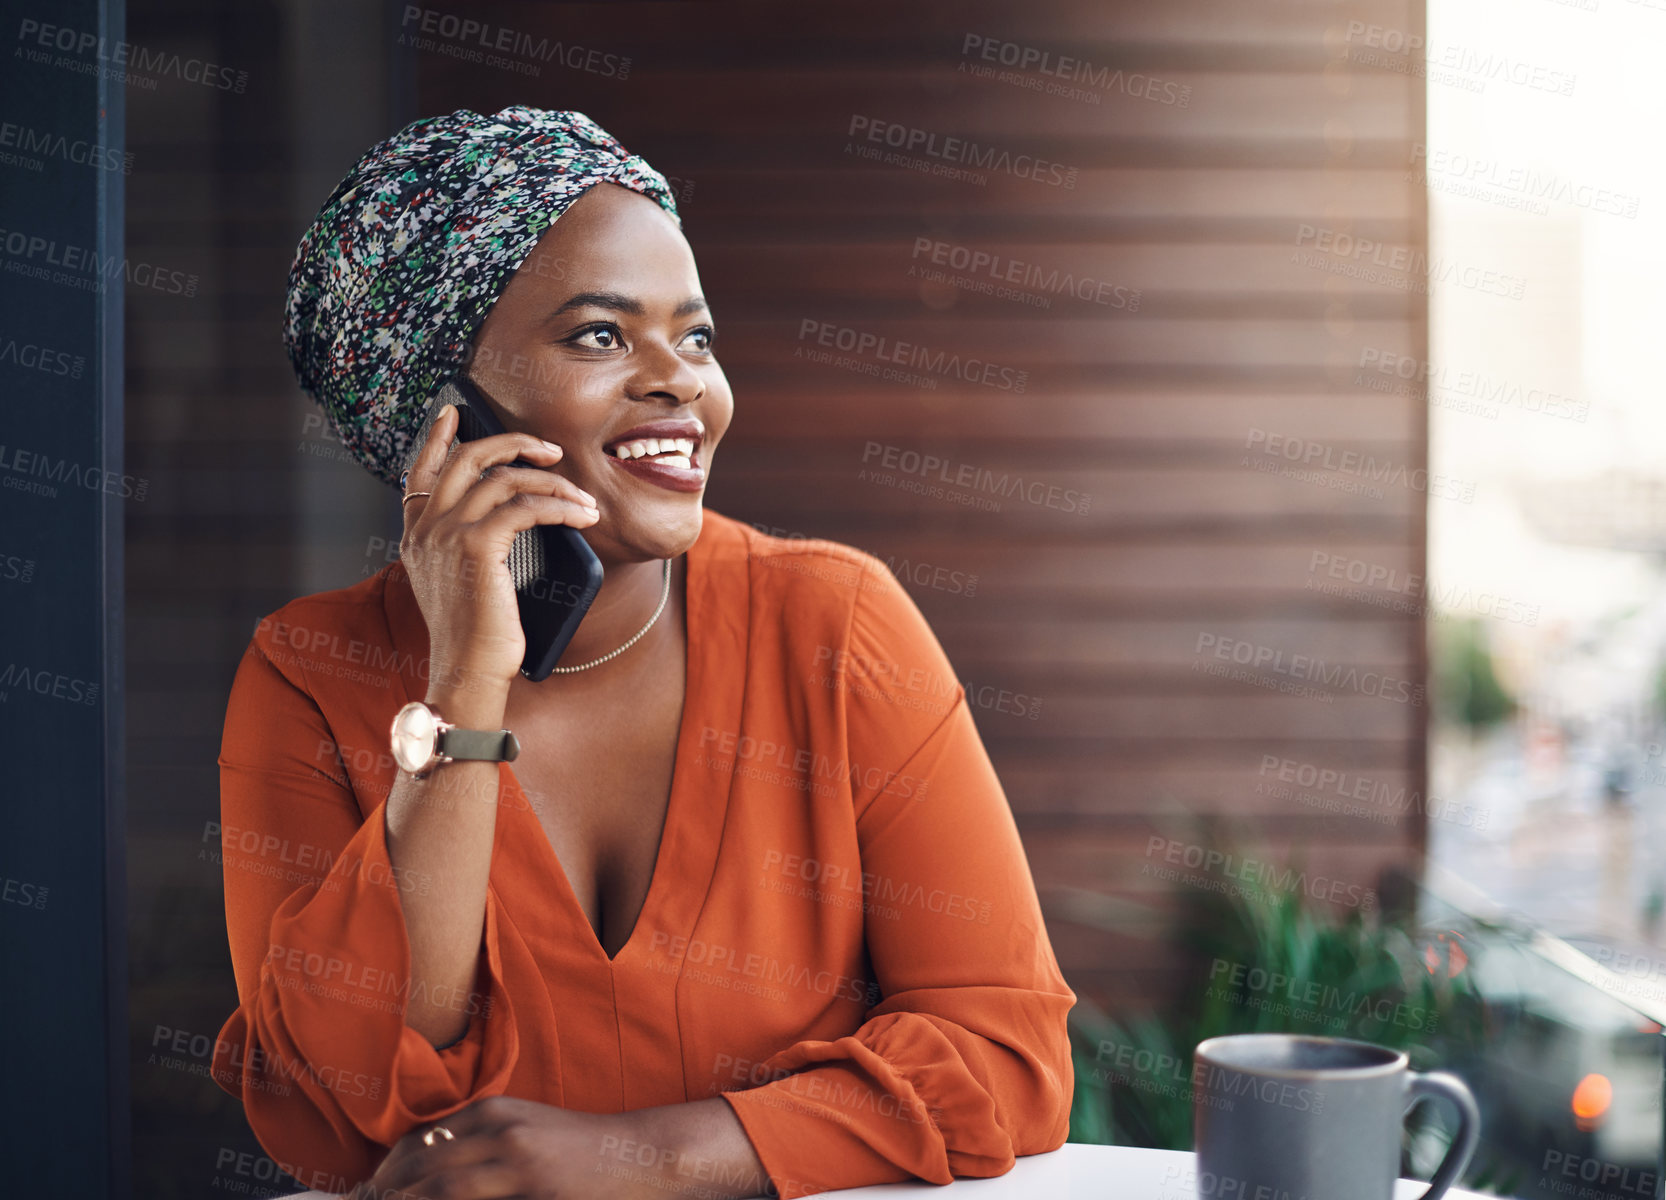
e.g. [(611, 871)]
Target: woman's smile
[(665, 453)]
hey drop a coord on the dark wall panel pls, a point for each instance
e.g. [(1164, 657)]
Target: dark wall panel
[(1181, 316), (1181, 294)]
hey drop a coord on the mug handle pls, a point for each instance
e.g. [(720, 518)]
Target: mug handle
[(1448, 1086)]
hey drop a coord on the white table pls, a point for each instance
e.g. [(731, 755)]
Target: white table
[(1073, 1172)]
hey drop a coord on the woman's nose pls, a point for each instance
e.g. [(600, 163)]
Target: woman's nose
[(666, 375)]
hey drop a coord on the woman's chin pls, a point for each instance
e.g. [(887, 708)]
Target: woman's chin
[(644, 537)]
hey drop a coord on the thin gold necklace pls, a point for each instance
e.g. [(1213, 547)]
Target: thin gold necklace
[(664, 595)]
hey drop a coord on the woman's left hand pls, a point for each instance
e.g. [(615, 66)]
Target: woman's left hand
[(503, 1147)]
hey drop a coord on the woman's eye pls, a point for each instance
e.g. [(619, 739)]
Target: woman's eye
[(701, 338), (598, 337)]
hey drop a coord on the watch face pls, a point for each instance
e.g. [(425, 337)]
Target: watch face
[(414, 732)]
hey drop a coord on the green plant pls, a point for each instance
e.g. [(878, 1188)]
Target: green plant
[(1275, 963), (1467, 688), (1659, 694)]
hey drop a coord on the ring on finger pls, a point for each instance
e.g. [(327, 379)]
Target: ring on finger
[(413, 496), (445, 1134)]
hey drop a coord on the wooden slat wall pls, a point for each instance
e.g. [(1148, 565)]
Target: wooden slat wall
[(1210, 212), (1199, 209)]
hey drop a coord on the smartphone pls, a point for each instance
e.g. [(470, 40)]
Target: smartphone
[(555, 572)]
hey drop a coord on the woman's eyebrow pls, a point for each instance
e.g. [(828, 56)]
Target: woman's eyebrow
[(619, 302)]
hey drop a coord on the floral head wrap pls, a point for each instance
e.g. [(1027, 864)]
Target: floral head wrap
[(412, 249)]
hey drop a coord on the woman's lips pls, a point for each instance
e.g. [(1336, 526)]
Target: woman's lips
[(691, 478)]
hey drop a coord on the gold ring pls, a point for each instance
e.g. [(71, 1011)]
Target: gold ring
[(428, 1138), (413, 496)]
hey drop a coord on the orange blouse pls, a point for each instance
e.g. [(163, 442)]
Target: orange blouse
[(841, 936)]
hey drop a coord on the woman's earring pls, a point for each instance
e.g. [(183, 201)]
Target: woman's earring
[(403, 476)]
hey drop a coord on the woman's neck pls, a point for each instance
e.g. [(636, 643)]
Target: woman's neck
[(629, 594)]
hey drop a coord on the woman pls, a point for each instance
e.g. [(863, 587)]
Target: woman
[(749, 910)]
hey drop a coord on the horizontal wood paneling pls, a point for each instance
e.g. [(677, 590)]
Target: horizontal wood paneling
[(1251, 321), (1219, 214)]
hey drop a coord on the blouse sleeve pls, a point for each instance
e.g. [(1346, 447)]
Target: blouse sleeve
[(965, 1063), (318, 1049)]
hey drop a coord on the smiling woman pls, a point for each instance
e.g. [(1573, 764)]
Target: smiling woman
[(749, 911)]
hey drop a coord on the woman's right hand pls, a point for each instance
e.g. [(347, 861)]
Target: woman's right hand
[(455, 545)]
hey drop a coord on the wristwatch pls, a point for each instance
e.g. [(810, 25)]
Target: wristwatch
[(423, 741)]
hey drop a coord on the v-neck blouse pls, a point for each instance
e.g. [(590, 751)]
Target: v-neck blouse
[(841, 935)]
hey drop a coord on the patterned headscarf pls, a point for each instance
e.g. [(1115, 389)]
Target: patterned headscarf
[(413, 248)]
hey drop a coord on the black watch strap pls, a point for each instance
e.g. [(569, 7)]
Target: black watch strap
[(478, 745)]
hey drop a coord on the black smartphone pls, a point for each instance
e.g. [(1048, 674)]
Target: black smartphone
[(555, 572)]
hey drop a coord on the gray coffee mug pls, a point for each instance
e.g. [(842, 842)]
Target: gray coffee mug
[(1286, 1117)]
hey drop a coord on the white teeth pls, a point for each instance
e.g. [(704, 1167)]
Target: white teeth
[(678, 451)]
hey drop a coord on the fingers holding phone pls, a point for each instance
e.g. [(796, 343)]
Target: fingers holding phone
[(457, 539)]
